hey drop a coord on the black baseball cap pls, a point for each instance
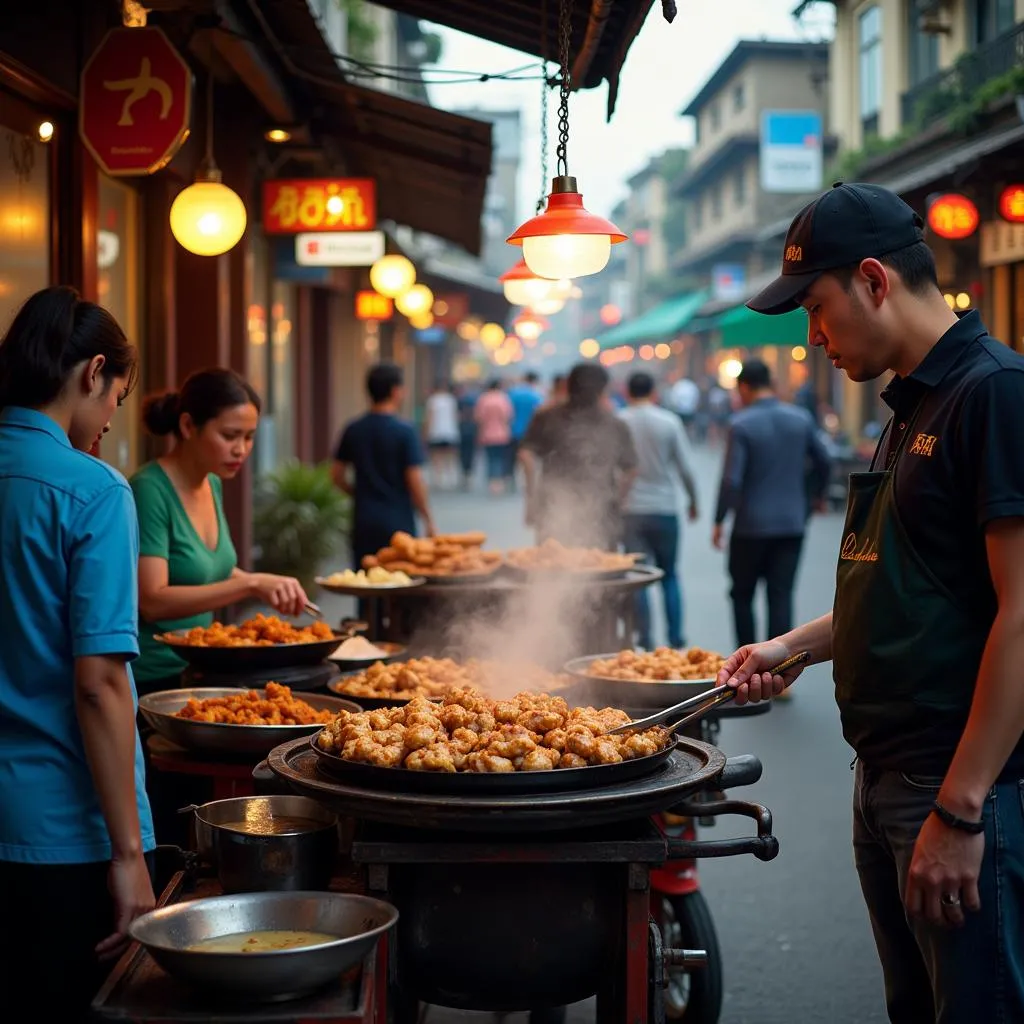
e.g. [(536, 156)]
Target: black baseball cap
[(847, 224)]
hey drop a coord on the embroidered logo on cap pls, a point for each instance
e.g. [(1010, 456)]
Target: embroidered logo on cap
[(794, 253)]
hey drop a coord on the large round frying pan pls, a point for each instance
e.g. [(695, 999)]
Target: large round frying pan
[(250, 659), (371, 776)]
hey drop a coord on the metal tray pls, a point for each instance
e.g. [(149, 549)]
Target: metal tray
[(693, 766), (566, 575), (244, 659), (451, 784), (381, 590), (159, 709), (634, 695), (454, 579)]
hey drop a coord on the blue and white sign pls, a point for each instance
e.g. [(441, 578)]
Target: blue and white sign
[(729, 282), (791, 151)]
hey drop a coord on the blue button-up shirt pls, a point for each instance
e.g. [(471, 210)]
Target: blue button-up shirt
[(69, 550)]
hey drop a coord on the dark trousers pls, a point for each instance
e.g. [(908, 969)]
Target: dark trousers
[(54, 916), (774, 560), (937, 975), (657, 538)]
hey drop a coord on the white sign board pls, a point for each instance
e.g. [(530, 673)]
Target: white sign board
[(339, 248), (729, 282), (791, 151)]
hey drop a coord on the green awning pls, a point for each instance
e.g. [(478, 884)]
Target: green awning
[(741, 327), (660, 323)]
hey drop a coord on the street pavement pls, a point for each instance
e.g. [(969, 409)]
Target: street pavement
[(794, 933)]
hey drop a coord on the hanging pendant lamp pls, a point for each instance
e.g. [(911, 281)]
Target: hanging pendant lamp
[(208, 218), (566, 240)]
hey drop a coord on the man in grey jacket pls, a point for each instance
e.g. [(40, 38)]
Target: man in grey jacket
[(776, 468)]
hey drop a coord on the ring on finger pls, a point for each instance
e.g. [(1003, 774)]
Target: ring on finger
[(950, 899)]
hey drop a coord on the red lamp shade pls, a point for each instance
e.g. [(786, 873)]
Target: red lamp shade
[(566, 240)]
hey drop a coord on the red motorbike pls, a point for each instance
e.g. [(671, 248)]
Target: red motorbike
[(679, 908)]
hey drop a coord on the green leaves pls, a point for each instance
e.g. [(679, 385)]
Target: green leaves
[(299, 519)]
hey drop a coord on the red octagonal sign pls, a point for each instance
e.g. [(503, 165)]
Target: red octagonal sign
[(135, 102)]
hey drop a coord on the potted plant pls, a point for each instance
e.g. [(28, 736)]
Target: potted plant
[(299, 520)]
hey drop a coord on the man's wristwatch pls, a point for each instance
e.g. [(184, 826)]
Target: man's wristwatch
[(947, 817)]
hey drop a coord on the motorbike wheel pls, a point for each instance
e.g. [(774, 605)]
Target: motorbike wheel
[(692, 995)]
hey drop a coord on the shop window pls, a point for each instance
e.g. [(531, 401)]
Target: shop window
[(24, 220), (923, 49), (990, 18), (118, 290), (869, 32)]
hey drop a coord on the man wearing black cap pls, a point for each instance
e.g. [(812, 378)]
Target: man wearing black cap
[(926, 635)]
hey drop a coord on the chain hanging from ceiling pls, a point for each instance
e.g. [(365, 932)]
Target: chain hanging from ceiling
[(544, 85), (565, 84)]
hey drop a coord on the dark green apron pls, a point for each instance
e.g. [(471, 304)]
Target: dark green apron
[(905, 649)]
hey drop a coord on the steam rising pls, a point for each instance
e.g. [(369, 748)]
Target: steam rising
[(520, 629)]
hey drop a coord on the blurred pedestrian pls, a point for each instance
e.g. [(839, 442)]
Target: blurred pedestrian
[(467, 397), (493, 415), (652, 508), (525, 397), (768, 491), (579, 463), (557, 393), (379, 461), (442, 432), (684, 400)]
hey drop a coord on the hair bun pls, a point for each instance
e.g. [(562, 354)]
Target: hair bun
[(160, 413)]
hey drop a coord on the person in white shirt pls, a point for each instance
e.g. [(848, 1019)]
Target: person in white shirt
[(684, 400), (442, 435), (651, 517)]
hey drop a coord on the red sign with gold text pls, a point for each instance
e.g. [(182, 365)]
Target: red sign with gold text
[(371, 305), (1011, 204), (291, 206), (135, 102), (953, 216)]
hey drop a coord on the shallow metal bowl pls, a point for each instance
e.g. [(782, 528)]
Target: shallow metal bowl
[(159, 710), (357, 921), (392, 652), (636, 695)]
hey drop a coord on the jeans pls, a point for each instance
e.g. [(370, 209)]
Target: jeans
[(774, 560), (497, 461), (936, 975), (657, 538)]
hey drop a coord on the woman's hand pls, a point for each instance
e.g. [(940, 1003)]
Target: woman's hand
[(283, 593), (132, 891)]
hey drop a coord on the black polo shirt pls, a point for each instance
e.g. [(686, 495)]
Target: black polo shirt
[(962, 411)]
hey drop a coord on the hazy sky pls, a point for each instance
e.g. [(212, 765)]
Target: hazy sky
[(665, 67)]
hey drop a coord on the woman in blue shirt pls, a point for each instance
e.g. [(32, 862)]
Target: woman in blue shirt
[(75, 825)]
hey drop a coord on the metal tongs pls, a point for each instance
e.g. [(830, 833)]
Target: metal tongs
[(702, 703)]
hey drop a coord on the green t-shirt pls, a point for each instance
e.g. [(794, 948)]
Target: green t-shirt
[(165, 531)]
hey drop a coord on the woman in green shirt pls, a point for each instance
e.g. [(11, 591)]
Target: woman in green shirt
[(187, 562)]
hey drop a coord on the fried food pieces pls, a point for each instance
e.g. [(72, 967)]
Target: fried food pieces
[(437, 677), (468, 732), (665, 663), (555, 556), (276, 706), (259, 631), (452, 554), (418, 677)]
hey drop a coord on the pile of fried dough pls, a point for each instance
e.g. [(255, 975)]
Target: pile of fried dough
[(661, 665), (468, 732), (276, 706), (450, 554), (259, 631)]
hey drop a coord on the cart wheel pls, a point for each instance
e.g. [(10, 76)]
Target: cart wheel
[(694, 996)]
